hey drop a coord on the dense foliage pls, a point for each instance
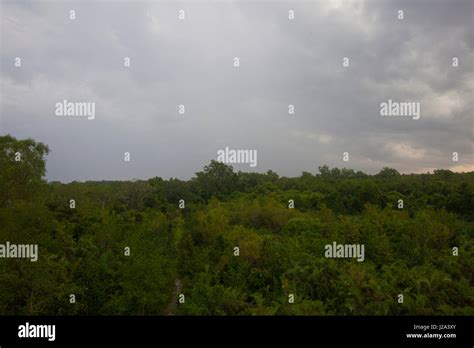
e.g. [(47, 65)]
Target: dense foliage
[(408, 250)]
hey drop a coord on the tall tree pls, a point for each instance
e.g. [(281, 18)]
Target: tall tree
[(23, 168)]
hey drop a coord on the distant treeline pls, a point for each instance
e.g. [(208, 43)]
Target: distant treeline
[(343, 191), (118, 247)]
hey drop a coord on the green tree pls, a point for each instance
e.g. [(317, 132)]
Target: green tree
[(22, 166)]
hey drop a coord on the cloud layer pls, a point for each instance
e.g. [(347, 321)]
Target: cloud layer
[(190, 62)]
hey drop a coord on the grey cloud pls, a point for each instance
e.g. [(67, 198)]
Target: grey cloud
[(282, 62)]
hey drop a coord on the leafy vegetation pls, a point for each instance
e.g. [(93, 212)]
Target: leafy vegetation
[(408, 251)]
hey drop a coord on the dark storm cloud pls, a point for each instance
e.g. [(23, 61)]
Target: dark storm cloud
[(283, 62)]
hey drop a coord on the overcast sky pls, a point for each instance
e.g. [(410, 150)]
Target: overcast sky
[(282, 62)]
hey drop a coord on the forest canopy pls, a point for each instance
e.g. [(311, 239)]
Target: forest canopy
[(235, 243)]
